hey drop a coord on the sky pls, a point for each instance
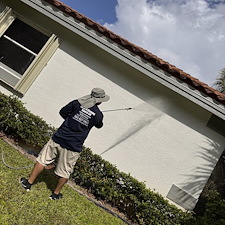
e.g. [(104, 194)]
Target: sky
[(189, 34)]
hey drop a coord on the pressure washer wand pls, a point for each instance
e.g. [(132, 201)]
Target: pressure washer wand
[(110, 110)]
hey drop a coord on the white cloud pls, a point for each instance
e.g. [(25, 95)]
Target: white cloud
[(189, 34)]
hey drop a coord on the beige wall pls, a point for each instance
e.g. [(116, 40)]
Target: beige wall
[(162, 141)]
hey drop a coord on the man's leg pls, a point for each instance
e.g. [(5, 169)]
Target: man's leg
[(56, 194), (64, 169), (60, 184), (38, 168), (46, 156), (27, 183)]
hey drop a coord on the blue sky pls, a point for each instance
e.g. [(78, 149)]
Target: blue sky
[(189, 34), (101, 11)]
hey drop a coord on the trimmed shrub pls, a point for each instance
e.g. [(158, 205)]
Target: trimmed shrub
[(19, 123), (121, 190), (211, 207)]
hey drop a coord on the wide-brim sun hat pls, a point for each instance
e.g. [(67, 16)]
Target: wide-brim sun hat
[(97, 96)]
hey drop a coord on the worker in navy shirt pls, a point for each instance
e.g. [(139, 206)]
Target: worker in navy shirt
[(66, 144)]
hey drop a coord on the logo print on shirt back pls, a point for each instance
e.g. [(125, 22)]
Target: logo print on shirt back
[(83, 116)]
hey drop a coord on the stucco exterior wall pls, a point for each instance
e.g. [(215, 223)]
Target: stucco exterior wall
[(162, 141)]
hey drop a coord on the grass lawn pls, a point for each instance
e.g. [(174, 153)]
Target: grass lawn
[(19, 207)]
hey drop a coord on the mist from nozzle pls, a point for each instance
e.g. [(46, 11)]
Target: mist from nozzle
[(134, 129), (150, 105)]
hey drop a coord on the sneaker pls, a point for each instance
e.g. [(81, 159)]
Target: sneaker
[(54, 196), (25, 184)]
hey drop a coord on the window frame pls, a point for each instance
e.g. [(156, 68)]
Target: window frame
[(18, 82)]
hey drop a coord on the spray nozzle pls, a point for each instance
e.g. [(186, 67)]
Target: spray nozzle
[(116, 109)]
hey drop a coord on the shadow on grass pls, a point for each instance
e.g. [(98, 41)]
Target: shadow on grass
[(49, 178)]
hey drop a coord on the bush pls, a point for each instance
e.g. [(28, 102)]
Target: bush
[(211, 207), (126, 193), (214, 213), (19, 123)]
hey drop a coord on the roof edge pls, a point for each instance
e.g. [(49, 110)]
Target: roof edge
[(138, 51)]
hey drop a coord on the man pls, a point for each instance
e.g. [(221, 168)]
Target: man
[(66, 144)]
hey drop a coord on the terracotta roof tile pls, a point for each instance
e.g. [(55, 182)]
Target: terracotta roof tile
[(171, 69)]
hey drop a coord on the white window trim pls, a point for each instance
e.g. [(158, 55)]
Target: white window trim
[(23, 84)]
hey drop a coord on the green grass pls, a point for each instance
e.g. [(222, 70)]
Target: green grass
[(20, 207)]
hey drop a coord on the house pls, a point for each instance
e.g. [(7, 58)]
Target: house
[(172, 137)]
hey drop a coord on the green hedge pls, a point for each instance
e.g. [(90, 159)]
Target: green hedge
[(19, 123), (210, 209), (123, 191)]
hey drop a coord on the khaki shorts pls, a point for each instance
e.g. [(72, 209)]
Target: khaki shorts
[(66, 158)]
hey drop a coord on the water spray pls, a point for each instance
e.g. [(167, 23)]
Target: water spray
[(110, 110)]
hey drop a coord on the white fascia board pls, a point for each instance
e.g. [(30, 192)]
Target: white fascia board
[(135, 61)]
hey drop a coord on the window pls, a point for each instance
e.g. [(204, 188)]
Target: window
[(19, 45), (24, 50)]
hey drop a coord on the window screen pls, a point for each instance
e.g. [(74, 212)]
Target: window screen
[(19, 45)]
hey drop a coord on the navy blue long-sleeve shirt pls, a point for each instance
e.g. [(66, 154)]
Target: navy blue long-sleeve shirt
[(77, 124)]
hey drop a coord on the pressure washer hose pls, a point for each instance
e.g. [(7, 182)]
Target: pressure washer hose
[(14, 168)]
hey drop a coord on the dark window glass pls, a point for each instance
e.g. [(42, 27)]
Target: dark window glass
[(26, 36), (14, 57), (19, 45)]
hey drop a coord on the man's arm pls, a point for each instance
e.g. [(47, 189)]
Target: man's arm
[(66, 110), (99, 120), (99, 125)]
